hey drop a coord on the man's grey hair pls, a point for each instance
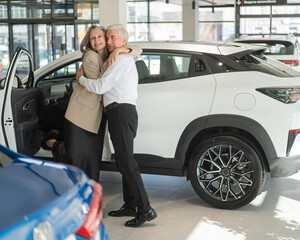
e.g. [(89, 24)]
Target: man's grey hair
[(121, 30)]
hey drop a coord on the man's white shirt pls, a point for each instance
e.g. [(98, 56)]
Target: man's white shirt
[(118, 83)]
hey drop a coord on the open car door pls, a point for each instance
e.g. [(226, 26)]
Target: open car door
[(19, 106)]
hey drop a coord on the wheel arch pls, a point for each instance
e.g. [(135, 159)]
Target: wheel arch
[(239, 126)]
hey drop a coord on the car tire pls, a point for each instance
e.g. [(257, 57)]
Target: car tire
[(226, 171)]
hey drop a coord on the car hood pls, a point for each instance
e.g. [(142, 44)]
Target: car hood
[(27, 185)]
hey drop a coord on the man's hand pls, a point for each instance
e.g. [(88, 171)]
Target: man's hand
[(79, 73), (113, 56)]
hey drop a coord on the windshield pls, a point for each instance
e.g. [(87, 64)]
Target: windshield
[(261, 63), (251, 61)]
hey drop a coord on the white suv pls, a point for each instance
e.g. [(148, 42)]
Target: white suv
[(284, 48), (221, 114)]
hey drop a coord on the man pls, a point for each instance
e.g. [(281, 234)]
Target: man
[(119, 88)]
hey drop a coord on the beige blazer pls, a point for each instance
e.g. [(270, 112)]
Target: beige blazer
[(85, 108)]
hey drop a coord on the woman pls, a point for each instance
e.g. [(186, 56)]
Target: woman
[(83, 134)]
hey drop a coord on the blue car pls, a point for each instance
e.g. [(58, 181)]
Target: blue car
[(43, 200)]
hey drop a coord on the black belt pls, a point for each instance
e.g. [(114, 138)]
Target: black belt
[(111, 106)]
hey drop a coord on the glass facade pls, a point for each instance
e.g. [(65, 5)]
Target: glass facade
[(47, 28), (22, 36), (4, 54), (3, 10), (270, 19), (154, 20), (216, 24), (43, 46), (254, 25), (52, 28), (165, 12), (159, 20)]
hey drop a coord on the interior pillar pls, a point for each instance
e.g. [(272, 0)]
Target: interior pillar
[(190, 20), (112, 12)]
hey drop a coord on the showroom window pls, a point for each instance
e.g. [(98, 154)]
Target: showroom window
[(216, 23), (4, 51), (3, 11), (271, 19), (18, 12), (154, 20), (62, 8), (29, 9), (22, 36), (84, 11), (47, 28), (42, 44)]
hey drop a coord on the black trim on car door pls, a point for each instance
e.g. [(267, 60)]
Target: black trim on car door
[(25, 107)]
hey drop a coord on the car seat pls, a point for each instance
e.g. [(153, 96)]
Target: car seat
[(169, 70), (143, 72)]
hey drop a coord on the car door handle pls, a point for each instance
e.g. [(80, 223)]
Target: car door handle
[(26, 106)]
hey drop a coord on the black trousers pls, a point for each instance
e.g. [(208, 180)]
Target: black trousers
[(83, 149), (122, 126), (59, 152)]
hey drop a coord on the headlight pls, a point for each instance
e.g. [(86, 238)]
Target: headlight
[(43, 231)]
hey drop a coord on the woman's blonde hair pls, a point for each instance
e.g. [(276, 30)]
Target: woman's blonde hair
[(85, 43)]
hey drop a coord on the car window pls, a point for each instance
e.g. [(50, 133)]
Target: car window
[(279, 49), (4, 160), (156, 67), (56, 82), (22, 70), (70, 69), (258, 62), (254, 61), (198, 66)]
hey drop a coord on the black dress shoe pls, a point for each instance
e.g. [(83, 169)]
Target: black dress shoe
[(123, 211), (141, 218)]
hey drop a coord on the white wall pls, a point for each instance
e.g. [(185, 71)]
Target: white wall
[(115, 11), (112, 12)]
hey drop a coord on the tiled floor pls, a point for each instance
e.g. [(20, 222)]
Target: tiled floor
[(182, 215)]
